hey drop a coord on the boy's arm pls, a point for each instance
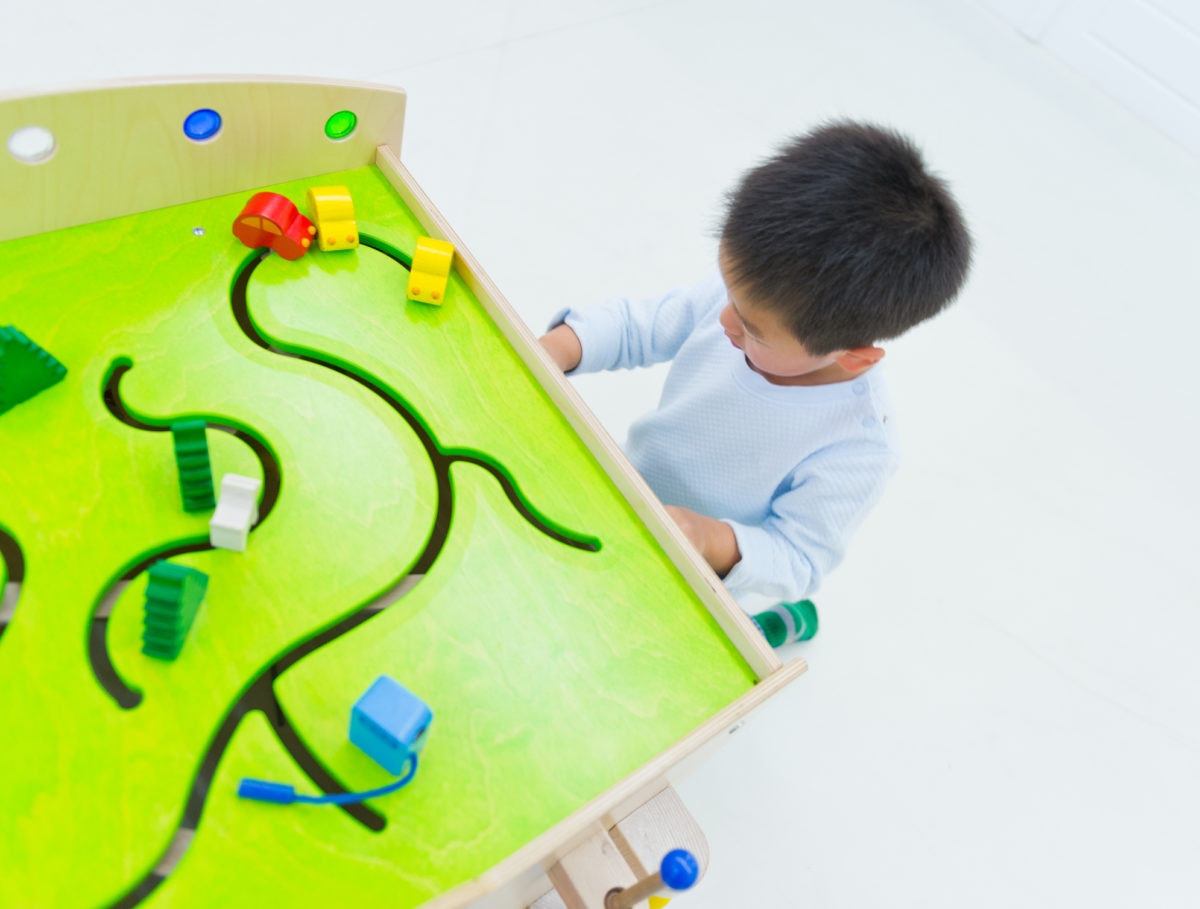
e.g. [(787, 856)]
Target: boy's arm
[(810, 523), (713, 539), (563, 345), (624, 333)]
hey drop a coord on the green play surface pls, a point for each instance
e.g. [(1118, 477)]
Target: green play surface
[(557, 646)]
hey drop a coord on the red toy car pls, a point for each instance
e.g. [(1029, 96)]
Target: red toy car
[(270, 219)]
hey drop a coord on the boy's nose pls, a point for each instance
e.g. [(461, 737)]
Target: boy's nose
[(729, 321)]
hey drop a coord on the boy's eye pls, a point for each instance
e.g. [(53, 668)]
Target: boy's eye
[(746, 330)]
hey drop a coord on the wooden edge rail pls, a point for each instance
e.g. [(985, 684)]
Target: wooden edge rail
[(522, 878), (634, 844), (119, 148), (732, 618)]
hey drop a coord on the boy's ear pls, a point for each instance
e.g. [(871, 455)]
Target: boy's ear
[(860, 358)]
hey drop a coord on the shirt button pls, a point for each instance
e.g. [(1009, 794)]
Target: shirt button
[(860, 388)]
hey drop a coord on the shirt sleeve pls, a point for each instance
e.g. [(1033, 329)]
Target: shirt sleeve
[(624, 333), (810, 522)]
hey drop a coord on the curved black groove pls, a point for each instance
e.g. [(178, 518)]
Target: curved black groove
[(440, 459), (260, 695), (126, 696), (14, 561), (513, 492), (396, 255), (272, 475)]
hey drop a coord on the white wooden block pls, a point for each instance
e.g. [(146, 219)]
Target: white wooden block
[(237, 512)]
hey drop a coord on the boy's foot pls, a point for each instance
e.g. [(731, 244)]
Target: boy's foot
[(787, 622)]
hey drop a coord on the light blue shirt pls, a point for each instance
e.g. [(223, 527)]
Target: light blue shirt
[(792, 469)]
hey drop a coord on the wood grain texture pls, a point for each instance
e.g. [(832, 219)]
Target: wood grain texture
[(85, 495), (549, 665), (121, 147), (642, 837), (583, 878), (663, 823), (732, 619), (573, 682)]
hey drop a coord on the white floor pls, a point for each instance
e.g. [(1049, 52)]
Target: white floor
[(1003, 707)]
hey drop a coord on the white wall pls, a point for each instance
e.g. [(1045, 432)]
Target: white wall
[(1145, 53)]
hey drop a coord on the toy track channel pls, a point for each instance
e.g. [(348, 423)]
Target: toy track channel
[(101, 661), (10, 593), (441, 459), (260, 694)]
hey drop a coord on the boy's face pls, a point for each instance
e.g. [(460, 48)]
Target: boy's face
[(771, 350)]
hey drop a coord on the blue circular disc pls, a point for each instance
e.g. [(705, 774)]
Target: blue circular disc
[(679, 869), (202, 125)]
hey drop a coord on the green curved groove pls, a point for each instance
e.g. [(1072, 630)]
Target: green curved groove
[(504, 475), (12, 558), (410, 413), (96, 641), (209, 418), (99, 658), (530, 512), (386, 248), (117, 363)]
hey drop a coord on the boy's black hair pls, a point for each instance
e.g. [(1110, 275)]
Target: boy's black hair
[(846, 237)]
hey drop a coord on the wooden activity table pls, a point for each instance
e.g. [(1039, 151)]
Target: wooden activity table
[(437, 505)]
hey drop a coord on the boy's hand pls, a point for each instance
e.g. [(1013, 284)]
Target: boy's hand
[(563, 345), (713, 539)]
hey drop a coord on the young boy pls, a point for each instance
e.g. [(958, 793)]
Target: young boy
[(773, 437)]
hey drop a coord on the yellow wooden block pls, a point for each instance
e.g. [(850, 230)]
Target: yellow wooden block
[(430, 270), (333, 212)]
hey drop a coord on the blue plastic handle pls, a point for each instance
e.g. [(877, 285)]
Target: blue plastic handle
[(263, 791), (679, 869), (283, 794)]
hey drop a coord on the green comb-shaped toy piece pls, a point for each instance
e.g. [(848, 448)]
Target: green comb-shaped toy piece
[(195, 470), (173, 596), (25, 368)]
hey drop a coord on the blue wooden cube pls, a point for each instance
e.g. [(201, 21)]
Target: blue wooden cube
[(389, 723)]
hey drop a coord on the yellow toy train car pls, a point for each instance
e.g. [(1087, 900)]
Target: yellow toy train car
[(333, 212), (430, 270)]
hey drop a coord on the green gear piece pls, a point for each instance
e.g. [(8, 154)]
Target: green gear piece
[(25, 368), (195, 470), (173, 596), (787, 622)]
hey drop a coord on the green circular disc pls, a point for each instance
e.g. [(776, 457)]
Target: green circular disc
[(341, 125)]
